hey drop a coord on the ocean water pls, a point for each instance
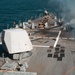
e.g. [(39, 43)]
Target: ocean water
[(22, 10)]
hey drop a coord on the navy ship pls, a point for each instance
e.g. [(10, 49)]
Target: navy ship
[(51, 49)]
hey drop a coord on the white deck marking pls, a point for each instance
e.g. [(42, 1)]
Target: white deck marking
[(57, 39), (40, 46)]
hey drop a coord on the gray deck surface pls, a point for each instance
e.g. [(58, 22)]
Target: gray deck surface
[(42, 64)]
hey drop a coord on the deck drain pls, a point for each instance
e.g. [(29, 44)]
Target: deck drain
[(59, 52), (49, 55), (59, 58)]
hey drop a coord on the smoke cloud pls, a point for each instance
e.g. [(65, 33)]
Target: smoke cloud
[(68, 11), (67, 8)]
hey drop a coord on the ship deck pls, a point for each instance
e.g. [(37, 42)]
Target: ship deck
[(42, 62)]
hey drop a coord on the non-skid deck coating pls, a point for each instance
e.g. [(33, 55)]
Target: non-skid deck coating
[(42, 64), (49, 33)]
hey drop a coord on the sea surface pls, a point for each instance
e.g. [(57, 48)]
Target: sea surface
[(22, 10)]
